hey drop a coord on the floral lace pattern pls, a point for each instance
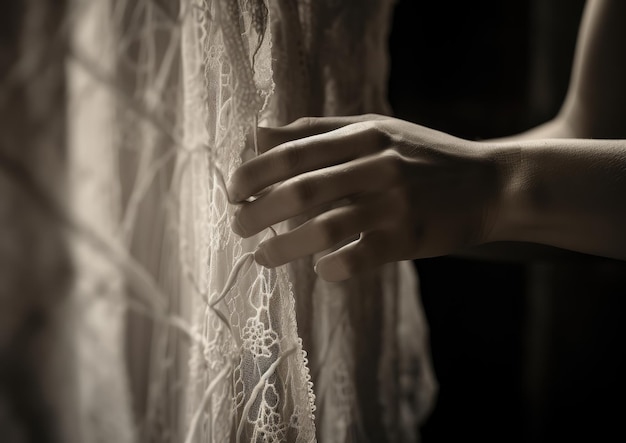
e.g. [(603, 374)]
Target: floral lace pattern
[(178, 335)]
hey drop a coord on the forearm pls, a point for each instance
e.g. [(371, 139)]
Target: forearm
[(572, 193), (567, 193)]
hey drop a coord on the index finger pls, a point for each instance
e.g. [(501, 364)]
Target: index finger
[(304, 155), (270, 137)]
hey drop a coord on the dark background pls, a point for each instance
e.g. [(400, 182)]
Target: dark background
[(529, 350)]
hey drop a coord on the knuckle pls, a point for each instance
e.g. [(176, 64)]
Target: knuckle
[(303, 191), (374, 130), (327, 231), (394, 166), (306, 122), (290, 156), (373, 116)]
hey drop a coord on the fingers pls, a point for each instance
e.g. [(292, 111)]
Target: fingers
[(309, 191), (371, 250), (306, 127), (323, 232), (303, 155)]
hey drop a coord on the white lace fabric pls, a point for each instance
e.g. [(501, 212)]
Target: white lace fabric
[(178, 335)]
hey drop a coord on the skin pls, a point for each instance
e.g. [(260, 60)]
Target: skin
[(375, 189)]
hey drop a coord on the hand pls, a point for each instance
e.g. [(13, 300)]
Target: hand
[(398, 190)]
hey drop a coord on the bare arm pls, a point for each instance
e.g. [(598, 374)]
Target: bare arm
[(595, 107), (405, 191), (568, 193)]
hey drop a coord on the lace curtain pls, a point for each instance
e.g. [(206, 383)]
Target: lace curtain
[(130, 311)]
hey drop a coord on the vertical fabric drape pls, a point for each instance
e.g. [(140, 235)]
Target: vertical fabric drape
[(172, 332)]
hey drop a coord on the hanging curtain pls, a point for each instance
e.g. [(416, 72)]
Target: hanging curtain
[(122, 122)]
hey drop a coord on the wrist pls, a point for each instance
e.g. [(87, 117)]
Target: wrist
[(509, 212)]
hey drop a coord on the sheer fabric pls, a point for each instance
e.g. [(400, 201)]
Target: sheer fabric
[(173, 332)]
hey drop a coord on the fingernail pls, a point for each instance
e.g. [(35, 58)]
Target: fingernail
[(235, 225), (260, 257), (231, 194)]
